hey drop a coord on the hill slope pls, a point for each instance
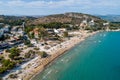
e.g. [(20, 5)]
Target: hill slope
[(73, 18), (111, 18), (14, 20)]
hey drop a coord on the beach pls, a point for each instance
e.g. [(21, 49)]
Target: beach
[(69, 44), (35, 66), (96, 58)]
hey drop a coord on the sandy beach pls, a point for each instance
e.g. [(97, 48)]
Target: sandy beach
[(65, 47), (35, 66)]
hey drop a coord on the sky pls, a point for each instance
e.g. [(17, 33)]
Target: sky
[(47, 7)]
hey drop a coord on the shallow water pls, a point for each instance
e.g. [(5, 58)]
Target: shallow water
[(96, 58)]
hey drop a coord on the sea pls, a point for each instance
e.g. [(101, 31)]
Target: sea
[(96, 58)]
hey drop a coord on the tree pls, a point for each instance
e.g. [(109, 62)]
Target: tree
[(65, 34), (14, 52), (13, 76), (28, 43), (1, 58), (43, 54), (2, 70), (8, 64), (42, 33), (28, 29), (30, 54), (31, 35), (5, 62)]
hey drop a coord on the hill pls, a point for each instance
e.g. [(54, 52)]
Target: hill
[(14, 20), (111, 18), (72, 18)]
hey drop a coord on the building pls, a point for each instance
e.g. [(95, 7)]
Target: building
[(6, 28), (36, 32), (56, 31), (92, 23), (20, 32), (62, 29), (106, 25), (4, 45), (84, 24), (50, 31)]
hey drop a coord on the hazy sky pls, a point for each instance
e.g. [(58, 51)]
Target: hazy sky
[(45, 7)]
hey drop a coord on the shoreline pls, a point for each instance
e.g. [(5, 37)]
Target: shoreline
[(56, 56), (34, 67), (51, 63), (48, 65)]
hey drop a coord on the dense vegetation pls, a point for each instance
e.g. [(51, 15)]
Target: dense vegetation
[(14, 53), (47, 25), (6, 65)]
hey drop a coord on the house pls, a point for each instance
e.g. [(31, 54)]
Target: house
[(92, 23), (34, 42), (62, 29), (36, 32), (106, 24), (15, 28), (50, 31), (4, 45), (20, 32), (15, 42), (56, 31), (70, 25), (83, 24), (6, 28)]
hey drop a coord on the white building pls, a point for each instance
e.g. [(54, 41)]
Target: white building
[(106, 24), (62, 29), (92, 23), (56, 31)]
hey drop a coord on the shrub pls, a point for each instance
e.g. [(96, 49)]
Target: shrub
[(43, 54)]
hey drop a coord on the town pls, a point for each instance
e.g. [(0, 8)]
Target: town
[(22, 46), (59, 40)]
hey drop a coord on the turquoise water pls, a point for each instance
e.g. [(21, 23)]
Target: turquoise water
[(96, 58)]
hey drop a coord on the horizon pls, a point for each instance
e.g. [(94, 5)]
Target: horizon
[(48, 7), (60, 13)]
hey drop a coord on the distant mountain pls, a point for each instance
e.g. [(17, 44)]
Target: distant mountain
[(3, 17), (111, 18), (15, 20), (71, 17)]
